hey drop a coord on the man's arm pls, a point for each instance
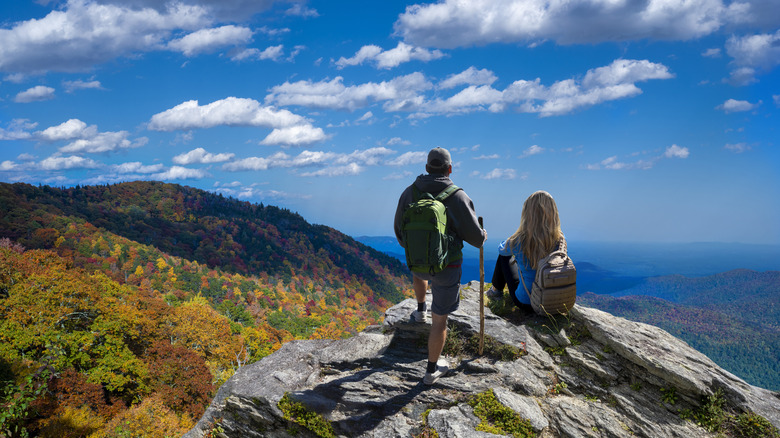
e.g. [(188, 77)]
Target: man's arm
[(466, 223), (399, 215)]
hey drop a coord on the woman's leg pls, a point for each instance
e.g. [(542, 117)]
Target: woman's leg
[(511, 274), (498, 280)]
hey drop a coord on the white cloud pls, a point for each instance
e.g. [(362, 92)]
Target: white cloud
[(178, 172), (227, 10), (368, 157), (753, 54), (409, 158), (7, 166), (532, 150), (230, 184), (396, 176), (18, 129), (103, 142), (334, 94), (470, 76), (712, 53), (612, 163), (733, 105), (244, 192), (299, 135), (200, 156), (625, 71), (251, 163), (85, 33), (402, 53), (87, 139), (331, 163), (487, 157), (273, 53), (71, 162), (776, 98), (675, 151), (615, 81), (399, 140), (273, 32), (299, 10), (137, 167), (737, 148), (73, 128), (469, 99), (507, 174), (366, 53), (282, 160), (71, 86), (35, 94), (346, 170), (365, 117), (743, 76), (210, 40), (454, 23), (231, 111)]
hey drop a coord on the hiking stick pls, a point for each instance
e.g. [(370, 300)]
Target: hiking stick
[(481, 293)]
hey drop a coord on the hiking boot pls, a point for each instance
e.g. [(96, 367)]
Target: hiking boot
[(494, 294), (418, 316), (441, 369)]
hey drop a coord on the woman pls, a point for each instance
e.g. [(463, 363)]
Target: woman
[(538, 235)]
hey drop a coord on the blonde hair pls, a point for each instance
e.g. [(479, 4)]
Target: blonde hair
[(540, 227)]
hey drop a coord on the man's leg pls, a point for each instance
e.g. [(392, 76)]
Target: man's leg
[(420, 286), (437, 337)]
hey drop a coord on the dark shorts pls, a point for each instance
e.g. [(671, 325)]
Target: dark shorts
[(445, 287)]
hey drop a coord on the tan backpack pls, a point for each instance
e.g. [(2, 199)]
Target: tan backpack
[(555, 287)]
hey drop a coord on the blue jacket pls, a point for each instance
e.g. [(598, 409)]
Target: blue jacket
[(526, 274)]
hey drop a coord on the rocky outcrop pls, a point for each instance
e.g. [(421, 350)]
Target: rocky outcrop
[(588, 374)]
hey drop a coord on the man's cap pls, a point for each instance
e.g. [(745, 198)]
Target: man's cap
[(439, 158)]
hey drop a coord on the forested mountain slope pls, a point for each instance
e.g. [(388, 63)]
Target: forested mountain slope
[(732, 317), (123, 307), (233, 235)]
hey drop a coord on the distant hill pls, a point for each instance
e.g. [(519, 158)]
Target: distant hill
[(732, 317)]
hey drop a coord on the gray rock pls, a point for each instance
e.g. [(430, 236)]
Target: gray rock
[(600, 376)]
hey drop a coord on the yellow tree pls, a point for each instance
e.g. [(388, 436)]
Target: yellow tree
[(196, 325)]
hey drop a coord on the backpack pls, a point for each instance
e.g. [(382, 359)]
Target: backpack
[(555, 287), (424, 231)]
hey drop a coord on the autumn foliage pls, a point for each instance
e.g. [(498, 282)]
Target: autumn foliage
[(134, 302)]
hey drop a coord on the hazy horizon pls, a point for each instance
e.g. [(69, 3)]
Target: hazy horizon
[(624, 259)]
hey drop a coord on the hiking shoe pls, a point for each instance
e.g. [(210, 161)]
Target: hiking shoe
[(418, 316), (441, 369), (494, 294)]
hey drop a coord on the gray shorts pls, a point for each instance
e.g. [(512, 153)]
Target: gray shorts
[(445, 287)]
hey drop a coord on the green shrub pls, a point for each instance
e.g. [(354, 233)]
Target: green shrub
[(497, 418), (299, 414)]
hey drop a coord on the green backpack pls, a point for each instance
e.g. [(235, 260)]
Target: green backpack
[(424, 231)]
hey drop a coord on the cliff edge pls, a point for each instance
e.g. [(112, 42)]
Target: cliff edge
[(589, 374)]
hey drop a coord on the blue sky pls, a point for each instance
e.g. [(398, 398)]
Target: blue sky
[(648, 120)]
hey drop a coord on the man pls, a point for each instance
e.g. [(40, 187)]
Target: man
[(445, 285)]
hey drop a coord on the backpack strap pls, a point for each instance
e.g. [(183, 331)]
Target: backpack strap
[(444, 194)]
